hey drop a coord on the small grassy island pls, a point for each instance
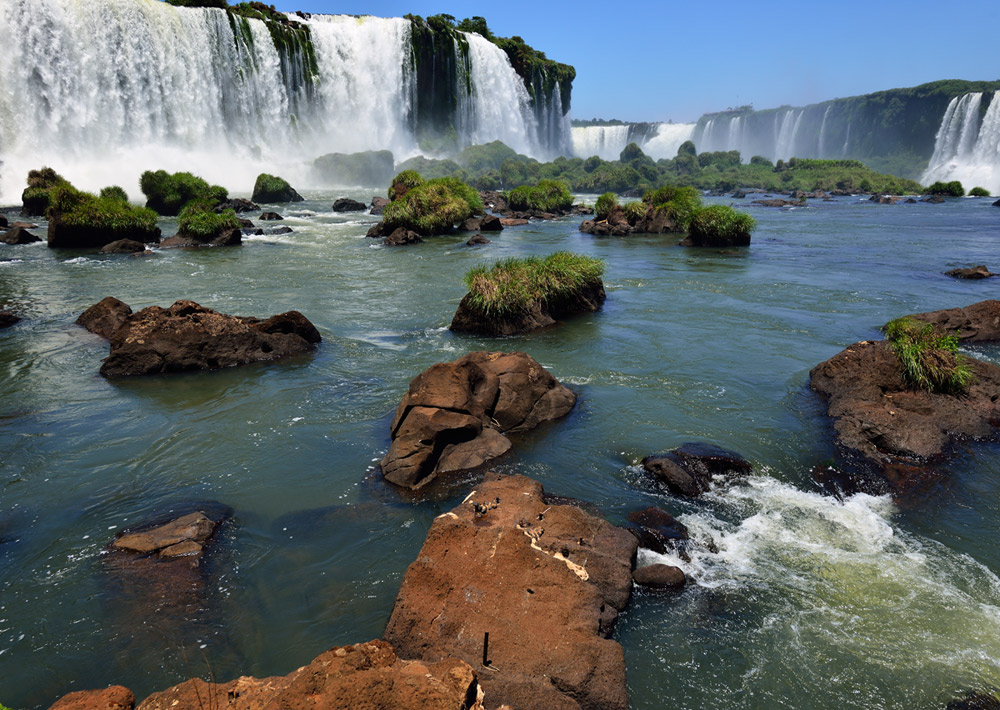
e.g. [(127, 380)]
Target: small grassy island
[(427, 207), (929, 358), (518, 295), (167, 194), (79, 220)]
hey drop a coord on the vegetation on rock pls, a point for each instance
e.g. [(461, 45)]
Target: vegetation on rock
[(511, 286), (678, 201), (979, 192), (403, 183), (168, 194), (114, 192), (719, 225), (80, 219), (200, 222), (546, 196), (605, 204), (35, 198), (429, 207), (949, 189), (271, 188), (930, 359)]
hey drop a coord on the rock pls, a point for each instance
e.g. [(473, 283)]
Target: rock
[(512, 222), (934, 200), (185, 536), (188, 336), (656, 529), (273, 189), (779, 203), (910, 201), (179, 242), (690, 469), (477, 240), (402, 236), (366, 675), (7, 319), (270, 216), (975, 700), (976, 272), (977, 323), (123, 246), (228, 238), (246, 224), (103, 318), (378, 205), (375, 231), (490, 223), (455, 415), (877, 416), (3, 222), (471, 225), (115, 697), (278, 230), (997, 203), (237, 205), (538, 314), (493, 200), (660, 576), (346, 204), (883, 199), (24, 225), (18, 235), (545, 582)]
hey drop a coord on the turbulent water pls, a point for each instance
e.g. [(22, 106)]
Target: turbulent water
[(967, 147), (108, 89), (809, 603)]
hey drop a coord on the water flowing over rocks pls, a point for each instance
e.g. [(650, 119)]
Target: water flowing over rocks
[(456, 415), (18, 236), (875, 415), (656, 529), (7, 319), (978, 323), (187, 336), (546, 582), (660, 576), (690, 469)]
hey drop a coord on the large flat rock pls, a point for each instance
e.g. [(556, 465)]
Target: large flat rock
[(978, 323)]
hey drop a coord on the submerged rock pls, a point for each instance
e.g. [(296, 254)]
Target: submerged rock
[(123, 246), (934, 200), (456, 414), (7, 319), (545, 582), (975, 272), (477, 240), (104, 317), (402, 236), (978, 323), (270, 216), (187, 336), (18, 236), (346, 204), (185, 536), (690, 469)]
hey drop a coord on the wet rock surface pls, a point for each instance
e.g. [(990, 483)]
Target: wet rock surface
[(104, 317), (17, 236), (656, 529), (978, 323), (456, 415), (185, 536), (123, 246), (7, 319), (546, 582), (690, 469), (346, 204), (974, 272), (402, 237), (660, 576)]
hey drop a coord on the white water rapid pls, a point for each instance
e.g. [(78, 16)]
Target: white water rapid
[(967, 148)]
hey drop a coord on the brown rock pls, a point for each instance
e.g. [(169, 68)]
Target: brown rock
[(270, 216), (455, 415), (512, 222), (472, 224), (660, 577), (184, 536), (975, 272), (18, 236), (545, 582), (656, 529), (402, 236), (934, 200), (378, 205), (23, 225), (7, 319), (115, 697), (779, 203), (876, 415), (123, 246), (188, 336), (690, 469), (346, 204), (493, 200), (491, 223), (977, 323), (477, 240), (103, 318)]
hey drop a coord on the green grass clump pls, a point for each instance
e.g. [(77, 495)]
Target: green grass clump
[(680, 202), (433, 207), (271, 188), (114, 192), (605, 204), (979, 192), (721, 223), (511, 286), (949, 189), (168, 194), (403, 183), (198, 221), (107, 212), (634, 211), (546, 196), (35, 198), (930, 360)]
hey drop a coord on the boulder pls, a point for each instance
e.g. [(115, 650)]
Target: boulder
[(490, 223), (779, 203), (246, 223), (237, 205), (975, 272), (7, 319), (690, 469), (185, 536), (346, 204), (456, 415), (187, 336), (477, 240), (226, 238), (493, 200), (272, 189), (18, 235), (270, 216), (375, 231), (997, 203), (975, 700), (402, 236), (934, 200), (115, 697), (3, 222), (24, 225), (123, 246), (656, 529), (472, 224), (910, 201), (278, 230), (512, 222), (660, 576), (544, 582), (977, 323), (875, 415), (378, 205), (104, 317)]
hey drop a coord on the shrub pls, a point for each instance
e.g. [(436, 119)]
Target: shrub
[(979, 192), (490, 156), (108, 213), (35, 198), (631, 152), (433, 207), (115, 193), (634, 211), (547, 196), (403, 183), (950, 189), (200, 222), (271, 188), (721, 224), (511, 286), (168, 194), (605, 204), (929, 359), (680, 202)]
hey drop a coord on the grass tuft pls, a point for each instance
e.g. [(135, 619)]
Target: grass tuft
[(721, 222), (432, 207), (107, 212), (198, 221), (930, 360), (547, 196)]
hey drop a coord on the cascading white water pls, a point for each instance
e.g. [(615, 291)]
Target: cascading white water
[(606, 142), (786, 130), (668, 138), (822, 133), (658, 141), (965, 148)]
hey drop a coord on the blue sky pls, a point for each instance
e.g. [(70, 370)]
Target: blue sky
[(659, 61)]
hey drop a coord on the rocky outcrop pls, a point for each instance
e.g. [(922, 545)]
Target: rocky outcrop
[(976, 700), (237, 205), (778, 202), (64, 235), (185, 536), (934, 200), (660, 576), (616, 224), (975, 273), (104, 317), (493, 200), (656, 529), (18, 236), (690, 469), (477, 240), (365, 675), (877, 416), (123, 246), (378, 205), (187, 336), (270, 216), (487, 223), (223, 238), (401, 236), (7, 319), (537, 314), (544, 582), (978, 323), (346, 204), (456, 415)]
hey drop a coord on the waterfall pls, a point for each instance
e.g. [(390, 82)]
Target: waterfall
[(657, 140), (668, 138), (105, 89), (967, 148), (606, 142), (821, 152)]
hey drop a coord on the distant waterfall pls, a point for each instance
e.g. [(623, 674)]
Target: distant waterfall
[(777, 135), (104, 89), (967, 148), (606, 142), (657, 140)]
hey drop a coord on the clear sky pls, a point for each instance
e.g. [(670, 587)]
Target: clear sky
[(657, 61)]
